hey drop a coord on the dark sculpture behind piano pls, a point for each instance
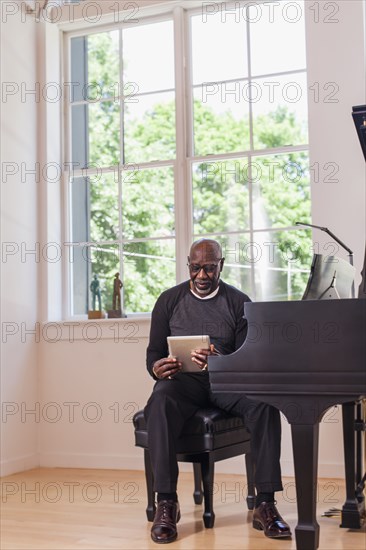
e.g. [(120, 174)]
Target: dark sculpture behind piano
[(359, 118), (362, 287)]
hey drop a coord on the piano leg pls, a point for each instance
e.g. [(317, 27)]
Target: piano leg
[(305, 439), (352, 509)]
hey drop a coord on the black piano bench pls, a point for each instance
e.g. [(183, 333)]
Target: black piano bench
[(209, 436)]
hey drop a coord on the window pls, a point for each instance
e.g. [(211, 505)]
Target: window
[(202, 133)]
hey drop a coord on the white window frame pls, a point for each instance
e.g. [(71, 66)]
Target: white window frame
[(181, 10)]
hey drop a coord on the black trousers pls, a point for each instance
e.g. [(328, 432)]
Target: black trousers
[(172, 402)]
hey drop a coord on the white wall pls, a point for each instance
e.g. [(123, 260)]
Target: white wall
[(107, 383), (337, 51), (19, 231), (91, 378)]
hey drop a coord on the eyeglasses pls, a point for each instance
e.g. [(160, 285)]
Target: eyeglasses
[(209, 268)]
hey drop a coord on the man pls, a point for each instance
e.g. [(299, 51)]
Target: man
[(204, 305)]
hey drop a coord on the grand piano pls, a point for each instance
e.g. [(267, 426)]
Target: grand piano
[(303, 358)]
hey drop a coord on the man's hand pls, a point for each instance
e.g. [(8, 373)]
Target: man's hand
[(166, 367), (199, 356)]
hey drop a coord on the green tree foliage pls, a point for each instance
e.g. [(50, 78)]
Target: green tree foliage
[(279, 186)]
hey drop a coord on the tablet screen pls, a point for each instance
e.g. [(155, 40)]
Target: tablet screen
[(181, 347)]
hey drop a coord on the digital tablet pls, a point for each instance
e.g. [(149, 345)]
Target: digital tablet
[(181, 347)]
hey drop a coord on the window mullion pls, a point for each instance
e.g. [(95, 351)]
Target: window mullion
[(181, 177), (121, 163), (251, 141)]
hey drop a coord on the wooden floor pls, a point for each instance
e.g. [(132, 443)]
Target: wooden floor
[(105, 509)]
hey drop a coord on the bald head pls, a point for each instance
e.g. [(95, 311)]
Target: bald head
[(207, 248)]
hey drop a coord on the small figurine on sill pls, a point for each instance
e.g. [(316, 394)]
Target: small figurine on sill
[(95, 290), (116, 312)]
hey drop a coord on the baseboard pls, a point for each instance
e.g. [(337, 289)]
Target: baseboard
[(19, 464), (95, 461), (234, 465)]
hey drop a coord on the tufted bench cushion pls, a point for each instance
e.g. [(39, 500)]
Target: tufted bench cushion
[(209, 429)]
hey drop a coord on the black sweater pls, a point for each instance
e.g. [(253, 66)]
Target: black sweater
[(178, 312)]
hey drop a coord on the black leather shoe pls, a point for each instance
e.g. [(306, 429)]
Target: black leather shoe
[(267, 518), (164, 528)]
